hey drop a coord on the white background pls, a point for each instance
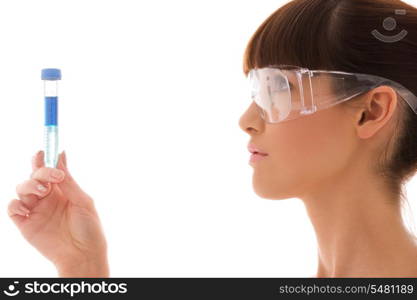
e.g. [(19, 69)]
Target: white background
[(150, 100)]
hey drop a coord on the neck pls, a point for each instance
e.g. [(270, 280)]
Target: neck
[(359, 229)]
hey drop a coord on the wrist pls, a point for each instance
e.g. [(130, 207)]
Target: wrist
[(85, 267)]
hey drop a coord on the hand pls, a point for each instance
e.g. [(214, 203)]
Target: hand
[(59, 219)]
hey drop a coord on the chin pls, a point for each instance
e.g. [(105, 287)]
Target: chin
[(271, 193), (272, 186)]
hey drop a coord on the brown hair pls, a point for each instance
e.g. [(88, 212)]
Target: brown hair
[(337, 35)]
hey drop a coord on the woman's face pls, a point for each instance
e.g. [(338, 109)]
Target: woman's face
[(302, 153)]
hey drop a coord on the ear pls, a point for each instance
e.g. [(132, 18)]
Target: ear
[(379, 106)]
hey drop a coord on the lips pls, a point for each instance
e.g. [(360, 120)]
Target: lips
[(254, 150)]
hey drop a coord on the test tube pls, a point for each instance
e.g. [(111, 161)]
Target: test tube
[(50, 78)]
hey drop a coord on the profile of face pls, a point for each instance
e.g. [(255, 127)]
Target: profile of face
[(303, 153)]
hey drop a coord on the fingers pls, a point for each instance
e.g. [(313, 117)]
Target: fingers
[(38, 186), (17, 211), (60, 175), (38, 160), (17, 207), (45, 174), (42, 173), (32, 186), (62, 164), (64, 158), (31, 191), (69, 186)]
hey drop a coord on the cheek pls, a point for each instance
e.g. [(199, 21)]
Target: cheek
[(302, 151)]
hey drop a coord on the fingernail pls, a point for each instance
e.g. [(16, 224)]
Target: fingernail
[(57, 174), (24, 210), (41, 188)]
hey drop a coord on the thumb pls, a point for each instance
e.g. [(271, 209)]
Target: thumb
[(69, 186)]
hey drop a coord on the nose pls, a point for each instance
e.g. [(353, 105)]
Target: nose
[(251, 121)]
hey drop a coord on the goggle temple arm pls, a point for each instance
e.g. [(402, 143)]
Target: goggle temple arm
[(306, 91)]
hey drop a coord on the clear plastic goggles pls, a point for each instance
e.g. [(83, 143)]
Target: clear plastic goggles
[(284, 92)]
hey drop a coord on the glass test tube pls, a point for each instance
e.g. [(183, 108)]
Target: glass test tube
[(50, 78)]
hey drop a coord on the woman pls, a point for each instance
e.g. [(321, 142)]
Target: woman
[(342, 139)]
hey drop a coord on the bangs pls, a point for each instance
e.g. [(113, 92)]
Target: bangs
[(298, 34)]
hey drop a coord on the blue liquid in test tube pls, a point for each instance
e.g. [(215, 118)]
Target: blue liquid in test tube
[(50, 78)]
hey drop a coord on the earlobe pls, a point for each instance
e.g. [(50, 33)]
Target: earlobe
[(364, 128)]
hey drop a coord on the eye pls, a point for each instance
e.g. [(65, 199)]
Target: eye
[(253, 83), (279, 83)]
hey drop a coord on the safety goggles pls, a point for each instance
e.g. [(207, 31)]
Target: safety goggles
[(284, 92)]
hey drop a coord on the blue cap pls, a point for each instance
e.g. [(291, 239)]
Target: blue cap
[(51, 74)]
